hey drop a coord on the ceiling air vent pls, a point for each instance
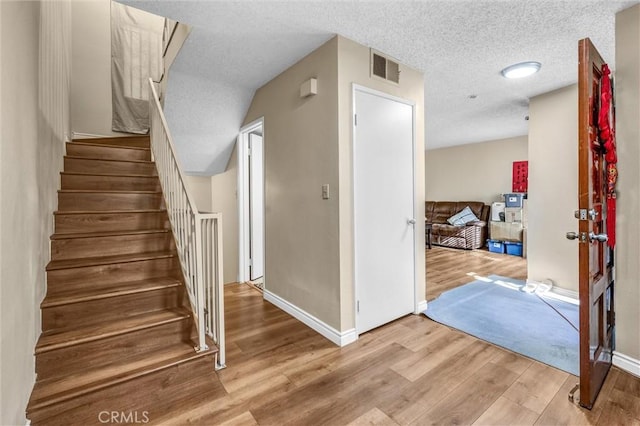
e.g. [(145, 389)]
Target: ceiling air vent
[(384, 67)]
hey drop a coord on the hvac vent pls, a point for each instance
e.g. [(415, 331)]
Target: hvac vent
[(384, 68)]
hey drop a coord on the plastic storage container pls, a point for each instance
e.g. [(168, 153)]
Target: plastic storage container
[(496, 246), (513, 200), (514, 249)]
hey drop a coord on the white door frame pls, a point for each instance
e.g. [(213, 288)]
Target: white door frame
[(244, 219), (412, 104)]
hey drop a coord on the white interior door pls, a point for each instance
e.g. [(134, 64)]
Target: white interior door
[(256, 206), (383, 210)]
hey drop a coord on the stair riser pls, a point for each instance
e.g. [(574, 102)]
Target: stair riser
[(107, 152), (109, 183), (72, 279), (102, 310), (81, 165), (76, 248), (173, 388), (99, 201), (96, 222), (135, 141), (88, 355)]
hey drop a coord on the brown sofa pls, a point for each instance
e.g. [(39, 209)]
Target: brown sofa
[(470, 236)]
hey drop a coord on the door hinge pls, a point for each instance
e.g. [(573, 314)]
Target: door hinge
[(355, 119), (250, 262), (358, 306)]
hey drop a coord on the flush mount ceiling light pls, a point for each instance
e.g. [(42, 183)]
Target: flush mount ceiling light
[(523, 69)]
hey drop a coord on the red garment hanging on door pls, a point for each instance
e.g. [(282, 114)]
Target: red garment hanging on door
[(606, 124)]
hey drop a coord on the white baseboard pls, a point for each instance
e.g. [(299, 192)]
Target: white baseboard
[(340, 338), (421, 307), (626, 363)]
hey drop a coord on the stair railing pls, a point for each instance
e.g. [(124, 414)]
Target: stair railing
[(198, 236)]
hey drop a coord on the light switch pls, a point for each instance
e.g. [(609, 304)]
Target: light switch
[(325, 191)]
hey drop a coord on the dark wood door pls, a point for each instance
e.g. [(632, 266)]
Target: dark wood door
[(596, 278)]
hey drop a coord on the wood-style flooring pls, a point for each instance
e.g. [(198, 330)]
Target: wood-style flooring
[(448, 268), (410, 372)]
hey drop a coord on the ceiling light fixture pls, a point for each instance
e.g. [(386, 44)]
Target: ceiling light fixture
[(523, 69)]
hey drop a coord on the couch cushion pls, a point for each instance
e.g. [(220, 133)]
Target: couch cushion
[(428, 211), (443, 210), (462, 217)]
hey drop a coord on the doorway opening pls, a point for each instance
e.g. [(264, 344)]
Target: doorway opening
[(250, 147)]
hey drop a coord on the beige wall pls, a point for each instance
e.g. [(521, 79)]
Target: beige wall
[(307, 143), (34, 113), (553, 187), (218, 194), (354, 67), (91, 68), (200, 189), (302, 253), (474, 172), (224, 200), (627, 291)]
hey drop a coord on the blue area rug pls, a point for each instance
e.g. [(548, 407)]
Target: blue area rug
[(499, 312)]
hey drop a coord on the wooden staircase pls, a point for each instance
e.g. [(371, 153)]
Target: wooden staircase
[(117, 329)]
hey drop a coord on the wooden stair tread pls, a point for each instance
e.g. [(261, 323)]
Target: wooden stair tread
[(55, 390), (108, 175), (104, 191), (75, 157), (107, 260), (108, 291), (73, 235), (61, 338), (102, 145), (63, 212)]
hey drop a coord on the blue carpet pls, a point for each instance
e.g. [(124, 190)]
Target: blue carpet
[(500, 313)]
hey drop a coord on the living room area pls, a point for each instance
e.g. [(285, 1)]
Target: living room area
[(489, 272), (465, 237)]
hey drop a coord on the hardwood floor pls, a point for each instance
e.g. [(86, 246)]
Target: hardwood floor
[(448, 268), (410, 372)]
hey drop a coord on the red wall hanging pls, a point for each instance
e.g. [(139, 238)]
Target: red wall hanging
[(520, 179)]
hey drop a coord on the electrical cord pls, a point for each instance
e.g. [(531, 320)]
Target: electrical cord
[(558, 312)]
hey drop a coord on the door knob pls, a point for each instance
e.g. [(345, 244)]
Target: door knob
[(603, 238), (411, 221), (572, 235)]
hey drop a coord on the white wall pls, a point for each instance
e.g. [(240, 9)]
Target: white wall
[(627, 290), (473, 172), (34, 111), (553, 187), (91, 68)]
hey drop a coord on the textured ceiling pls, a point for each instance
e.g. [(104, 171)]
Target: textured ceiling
[(461, 46)]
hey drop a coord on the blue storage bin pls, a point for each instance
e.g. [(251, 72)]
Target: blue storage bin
[(513, 200), (514, 249), (496, 246)]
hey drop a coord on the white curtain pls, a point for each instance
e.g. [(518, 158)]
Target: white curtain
[(136, 55)]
